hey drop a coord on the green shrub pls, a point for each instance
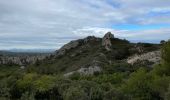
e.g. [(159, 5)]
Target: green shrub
[(138, 86), (114, 95), (75, 93)]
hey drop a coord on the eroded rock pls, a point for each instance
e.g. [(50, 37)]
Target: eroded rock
[(154, 57), (20, 60), (106, 41), (70, 45), (74, 44), (85, 71)]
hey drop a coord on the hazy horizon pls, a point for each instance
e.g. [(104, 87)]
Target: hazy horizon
[(32, 49)]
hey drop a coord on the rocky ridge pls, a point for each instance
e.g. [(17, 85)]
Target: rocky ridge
[(74, 44), (141, 55), (92, 55)]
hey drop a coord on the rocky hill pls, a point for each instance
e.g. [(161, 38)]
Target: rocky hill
[(92, 68), (92, 54)]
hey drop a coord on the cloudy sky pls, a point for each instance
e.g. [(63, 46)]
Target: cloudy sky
[(49, 24)]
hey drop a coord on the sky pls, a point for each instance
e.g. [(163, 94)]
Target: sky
[(49, 24)]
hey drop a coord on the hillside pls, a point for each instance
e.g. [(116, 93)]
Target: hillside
[(93, 54), (92, 68)]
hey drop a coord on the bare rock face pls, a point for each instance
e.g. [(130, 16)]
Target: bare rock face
[(20, 60), (106, 41), (85, 71), (88, 69), (154, 57), (74, 44), (70, 45)]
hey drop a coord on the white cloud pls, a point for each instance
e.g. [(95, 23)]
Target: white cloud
[(45, 20)]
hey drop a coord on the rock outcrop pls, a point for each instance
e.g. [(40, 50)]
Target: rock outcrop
[(74, 44), (106, 41), (85, 71), (154, 57), (90, 38), (20, 60), (86, 56), (70, 45)]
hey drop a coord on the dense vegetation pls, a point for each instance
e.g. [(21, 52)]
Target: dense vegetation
[(118, 81)]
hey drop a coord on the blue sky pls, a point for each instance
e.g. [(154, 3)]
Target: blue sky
[(49, 24)]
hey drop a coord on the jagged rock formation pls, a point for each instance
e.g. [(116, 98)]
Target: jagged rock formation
[(20, 60), (90, 38), (66, 47), (74, 44), (154, 57), (106, 41)]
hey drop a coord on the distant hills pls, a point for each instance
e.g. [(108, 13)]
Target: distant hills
[(23, 56), (31, 50)]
